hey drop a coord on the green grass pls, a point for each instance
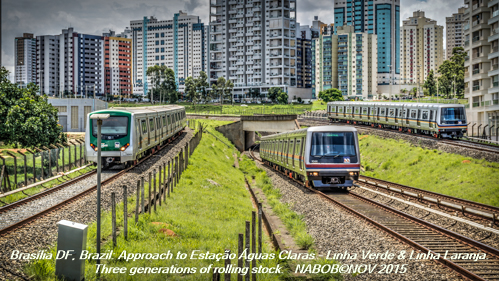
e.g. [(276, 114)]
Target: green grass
[(433, 170), (293, 222), (205, 217), (34, 190), (237, 109)]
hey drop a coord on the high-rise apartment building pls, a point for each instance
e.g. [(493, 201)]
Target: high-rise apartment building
[(117, 65), (304, 57), (253, 43), (81, 62), (422, 48), (25, 59), (325, 59), (47, 64), (481, 77), (380, 17), (346, 61), (454, 31), (177, 43), (70, 63)]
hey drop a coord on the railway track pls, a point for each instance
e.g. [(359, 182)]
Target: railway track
[(470, 258), (317, 121), (19, 204), (441, 201)]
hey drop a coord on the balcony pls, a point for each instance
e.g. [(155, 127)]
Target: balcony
[(476, 88), (476, 104), (476, 71)]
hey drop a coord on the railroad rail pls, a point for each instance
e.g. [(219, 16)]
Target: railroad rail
[(441, 200), (60, 205), (431, 240), (460, 142)]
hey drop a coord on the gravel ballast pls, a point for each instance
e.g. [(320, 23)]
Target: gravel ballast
[(337, 231), (43, 233)]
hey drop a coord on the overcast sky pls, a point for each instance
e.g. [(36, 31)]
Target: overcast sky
[(49, 17)]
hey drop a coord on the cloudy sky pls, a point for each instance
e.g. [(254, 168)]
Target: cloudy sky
[(49, 17)]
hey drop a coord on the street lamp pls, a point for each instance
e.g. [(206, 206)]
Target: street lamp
[(99, 118)]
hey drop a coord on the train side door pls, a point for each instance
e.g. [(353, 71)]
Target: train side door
[(407, 114), (139, 124), (396, 116), (298, 152), (430, 122), (419, 118)]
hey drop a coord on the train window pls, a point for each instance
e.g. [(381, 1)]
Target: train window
[(333, 108), (382, 112), (158, 123), (340, 109), (425, 115), (151, 124), (357, 110), (413, 114), (401, 112), (392, 112), (364, 110), (301, 153), (144, 126), (419, 113)]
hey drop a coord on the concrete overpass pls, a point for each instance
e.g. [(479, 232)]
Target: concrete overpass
[(242, 133)]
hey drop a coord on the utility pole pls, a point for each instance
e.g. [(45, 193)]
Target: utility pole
[(120, 95), (437, 89), (390, 81), (419, 78)]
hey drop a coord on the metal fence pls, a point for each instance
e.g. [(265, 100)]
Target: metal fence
[(23, 167), (484, 132)]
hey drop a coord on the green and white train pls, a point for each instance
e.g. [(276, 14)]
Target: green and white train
[(325, 156), (133, 132), (436, 119)]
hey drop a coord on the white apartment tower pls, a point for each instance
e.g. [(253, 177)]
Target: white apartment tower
[(25, 59), (177, 43), (454, 31), (422, 48), (81, 66), (47, 64), (481, 76), (253, 43)]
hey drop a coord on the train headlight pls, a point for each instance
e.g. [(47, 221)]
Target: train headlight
[(353, 173), (315, 174), (93, 146), (124, 147)]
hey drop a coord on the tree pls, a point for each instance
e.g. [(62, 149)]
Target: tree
[(26, 118), (220, 88), (282, 97), (154, 72), (274, 93), (430, 84), (452, 74), (228, 90), (299, 100), (169, 86), (191, 90), (202, 85), (403, 91), (331, 95), (414, 91)]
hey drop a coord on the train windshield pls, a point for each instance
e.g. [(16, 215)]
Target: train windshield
[(114, 127), (453, 115), (333, 147)]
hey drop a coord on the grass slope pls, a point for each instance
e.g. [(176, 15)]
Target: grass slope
[(205, 216), (433, 170)]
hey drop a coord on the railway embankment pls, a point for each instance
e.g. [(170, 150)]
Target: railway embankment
[(403, 162), (42, 234), (206, 211)]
